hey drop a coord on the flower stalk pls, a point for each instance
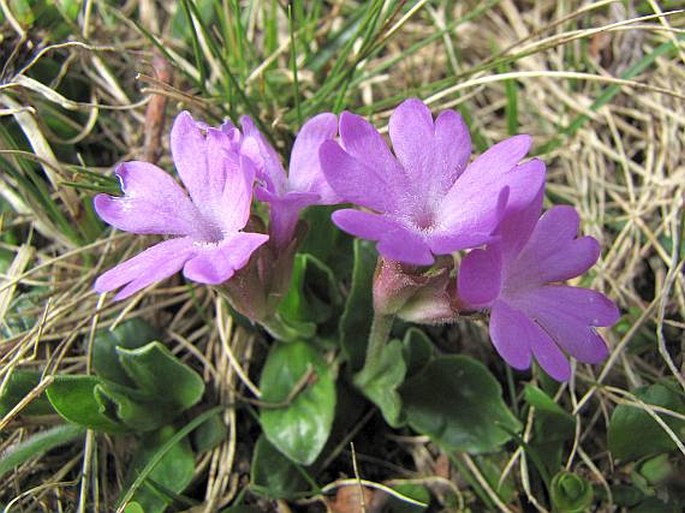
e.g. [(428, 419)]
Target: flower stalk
[(378, 339)]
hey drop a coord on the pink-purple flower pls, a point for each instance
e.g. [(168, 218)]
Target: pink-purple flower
[(205, 224), (304, 184), (532, 314), (426, 199)]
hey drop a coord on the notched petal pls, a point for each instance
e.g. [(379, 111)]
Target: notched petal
[(153, 203)]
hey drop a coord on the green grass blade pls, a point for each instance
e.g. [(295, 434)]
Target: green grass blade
[(293, 59), (39, 444), (199, 60), (154, 461)]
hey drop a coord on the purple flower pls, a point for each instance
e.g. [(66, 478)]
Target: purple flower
[(531, 313), (205, 224), (303, 186), (425, 200)]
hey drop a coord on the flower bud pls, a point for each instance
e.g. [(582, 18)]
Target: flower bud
[(570, 493), (257, 289), (415, 295)]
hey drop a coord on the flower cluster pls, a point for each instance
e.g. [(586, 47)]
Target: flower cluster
[(423, 200)]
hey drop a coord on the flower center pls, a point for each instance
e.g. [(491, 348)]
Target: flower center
[(208, 232)]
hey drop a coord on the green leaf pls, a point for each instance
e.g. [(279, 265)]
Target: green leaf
[(656, 470), (655, 505), (380, 383), (273, 475), (301, 387), (74, 398), (492, 466), (133, 410), (634, 434), (417, 350), (542, 402), (164, 387), (570, 493), (415, 492), (552, 428), (70, 9), (16, 387), (37, 445), (160, 375), (209, 434), (458, 403), (322, 234), (355, 323), (130, 334), (173, 472), (312, 295)]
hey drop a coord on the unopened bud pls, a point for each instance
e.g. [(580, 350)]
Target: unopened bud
[(421, 296)]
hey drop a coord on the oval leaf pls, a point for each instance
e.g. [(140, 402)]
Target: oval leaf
[(458, 403), (170, 476), (300, 386), (273, 475), (17, 386), (129, 334), (633, 433), (160, 374), (380, 383), (73, 397)]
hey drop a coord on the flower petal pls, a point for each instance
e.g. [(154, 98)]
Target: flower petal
[(511, 333), (363, 142), (515, 336), (215, 263), (233, 209), (553, 252), (364, 225), (552, 360), (525, 182), (152, 202), (285, 213), (189, 151), (395, 241), (468, 225), (411, 132), (405, 246), (501, 157), (432, 154), (354, 181), (475, 203), (452, 144), (364, 172), (305, 173), (222, 171), (569, 315), (485, 176), (154, 264), (516, 227), (268, 164), (480, 277)]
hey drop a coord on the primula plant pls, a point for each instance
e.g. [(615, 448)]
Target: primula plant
[(457, 239), (378, 257)]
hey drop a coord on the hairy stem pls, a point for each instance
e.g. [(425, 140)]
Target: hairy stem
[(378, 338)]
